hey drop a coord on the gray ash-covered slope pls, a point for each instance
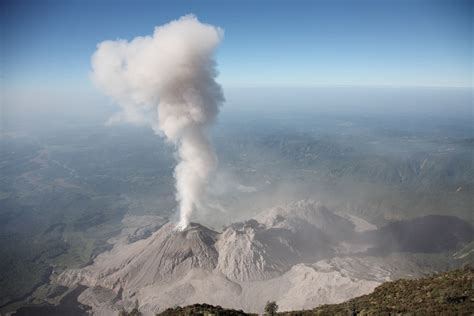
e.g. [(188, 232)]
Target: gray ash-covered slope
[(299, 255), (167, 254), (250, 252), (303, 231), (236, 262), (173, 253), (247, 251), (307, 215)]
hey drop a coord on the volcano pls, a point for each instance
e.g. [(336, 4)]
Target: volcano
[(295, 254)]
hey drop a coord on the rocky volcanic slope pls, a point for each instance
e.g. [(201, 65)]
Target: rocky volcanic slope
[(167, 254), (448, 293), (296, 255)]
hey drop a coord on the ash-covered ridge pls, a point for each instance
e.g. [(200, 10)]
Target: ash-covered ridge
[(300, 255), (167, 254)]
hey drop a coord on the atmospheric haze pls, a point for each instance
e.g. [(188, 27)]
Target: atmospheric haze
[(167, 81)]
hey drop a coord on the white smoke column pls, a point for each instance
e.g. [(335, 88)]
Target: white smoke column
[(167, 80)]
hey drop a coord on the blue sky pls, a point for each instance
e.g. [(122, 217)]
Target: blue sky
[(270, 43)]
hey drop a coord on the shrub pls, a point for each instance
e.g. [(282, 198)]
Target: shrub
[(271, 308)]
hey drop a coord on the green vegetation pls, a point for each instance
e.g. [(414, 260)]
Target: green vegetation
[(271, 308), (202, 310), (63, 196)]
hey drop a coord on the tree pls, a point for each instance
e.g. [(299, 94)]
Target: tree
[(271, 308)]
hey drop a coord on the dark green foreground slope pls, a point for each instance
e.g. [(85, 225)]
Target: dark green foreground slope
[(449, 293)]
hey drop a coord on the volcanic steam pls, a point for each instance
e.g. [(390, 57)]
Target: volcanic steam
[(167, 80)]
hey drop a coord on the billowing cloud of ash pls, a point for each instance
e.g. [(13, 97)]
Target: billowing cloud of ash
[(167, 80)]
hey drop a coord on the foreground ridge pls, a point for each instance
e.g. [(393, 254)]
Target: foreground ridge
[(202, 309), (448, 293)]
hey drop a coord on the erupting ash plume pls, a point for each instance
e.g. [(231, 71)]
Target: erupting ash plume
[(167, 80)]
